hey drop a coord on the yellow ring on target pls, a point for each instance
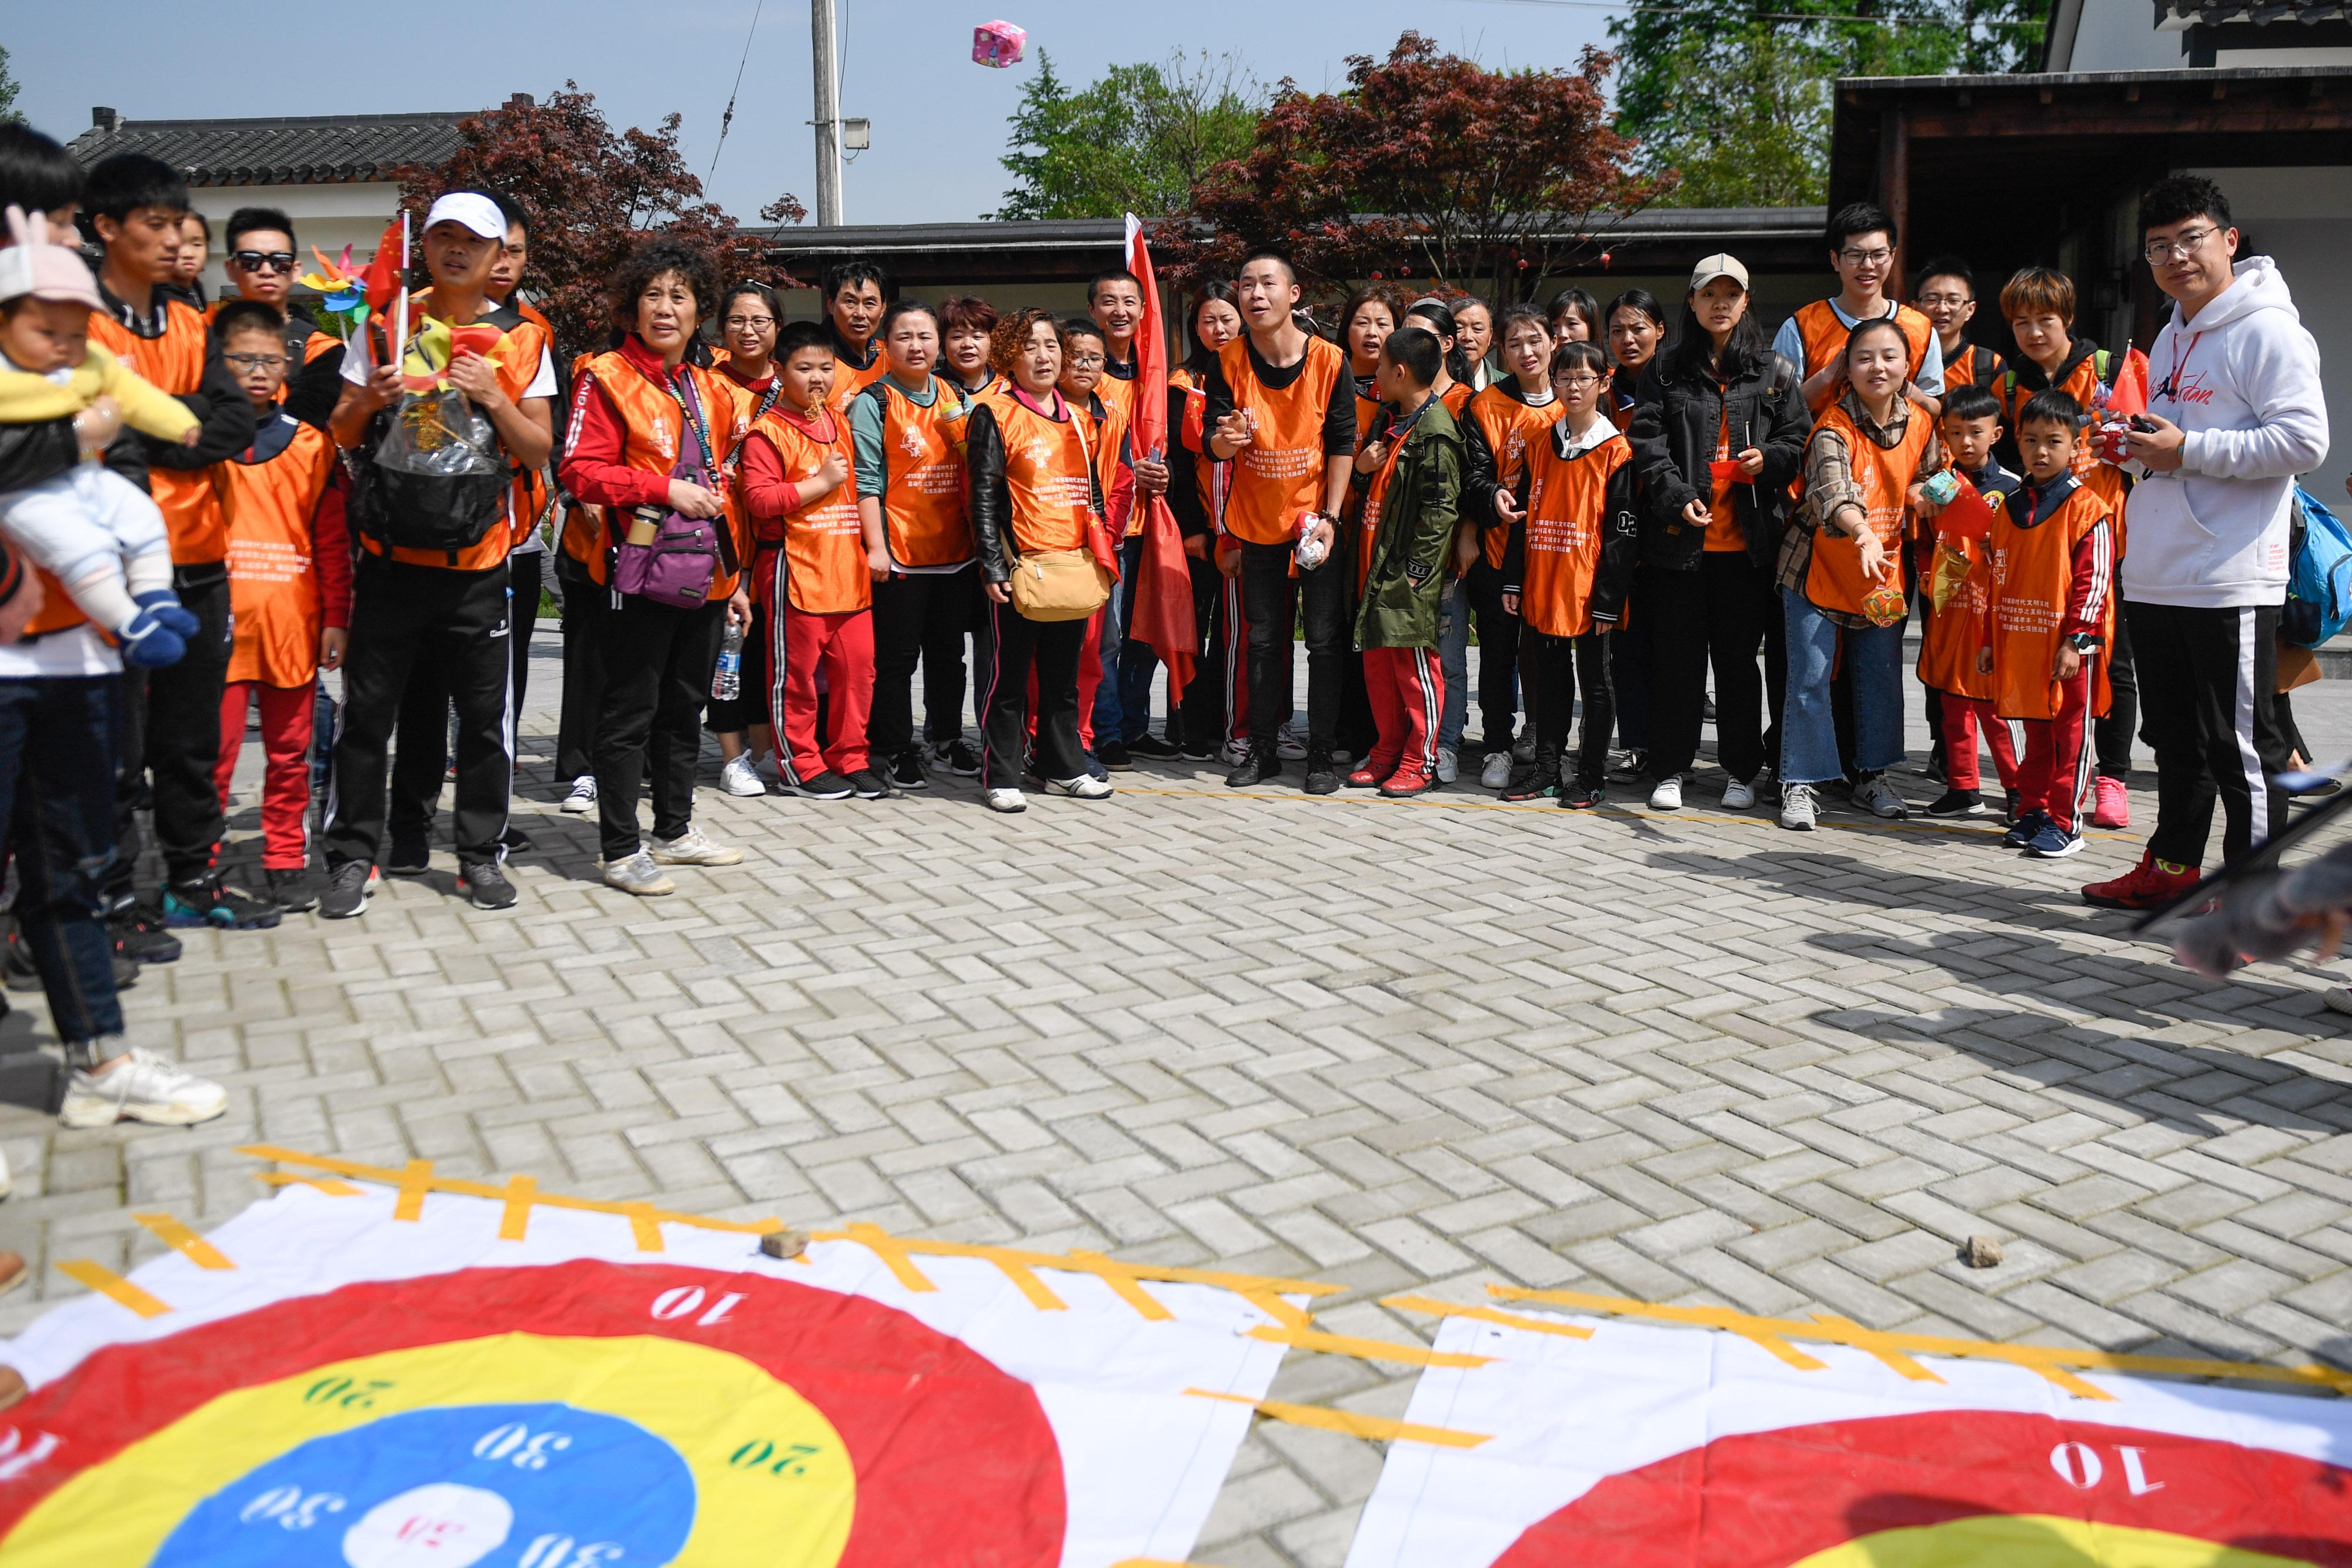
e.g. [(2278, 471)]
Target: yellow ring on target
[(2037, 1541), (716, 1409)]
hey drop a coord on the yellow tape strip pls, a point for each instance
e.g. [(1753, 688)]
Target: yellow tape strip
[(644, 1226), (1272, 1304), (1123, 1280), (1484, 1315), (195, 1247), (1878, 1346), (326, 1185), (1025, 1279), (883, 1244), (521, 1191), (415, 1181), (113, 1286), (1365, 1349), (1379, 1429)]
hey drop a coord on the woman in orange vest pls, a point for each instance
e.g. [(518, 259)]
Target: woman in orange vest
[(1033, 490), (1214, 714), (651, 436), (1365, 321), (1841, 575), (747, 319)]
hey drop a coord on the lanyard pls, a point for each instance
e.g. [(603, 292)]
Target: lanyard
[(2169, 389), (690, 412)]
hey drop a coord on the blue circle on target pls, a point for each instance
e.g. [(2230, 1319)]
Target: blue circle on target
[(468, 1486)]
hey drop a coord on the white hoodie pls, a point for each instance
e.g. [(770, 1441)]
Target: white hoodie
[(2243, 379)]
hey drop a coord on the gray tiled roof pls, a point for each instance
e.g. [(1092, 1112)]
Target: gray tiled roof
[(319, 150)]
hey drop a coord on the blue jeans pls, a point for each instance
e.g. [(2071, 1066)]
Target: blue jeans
[(1110, 719), (59, 747), (1453, 659), (1873, 656)]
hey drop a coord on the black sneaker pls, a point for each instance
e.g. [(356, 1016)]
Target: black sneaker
[(1254, 769), (411, 854), (348, 886), (1114, 755), (140, 934), (957, 759), (1203, 751), (1537, 783), (16, 971), (2009, 812), (1958, 803), (214, 902), (515, 843), (826, 786), (1583, 795), (293, 889), (1152, 748), (486, 886), (2023, 832), (869, 785), (906, 769), (1322, 777)]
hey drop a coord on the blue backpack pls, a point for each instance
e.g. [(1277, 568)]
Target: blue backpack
[(2319, 575)]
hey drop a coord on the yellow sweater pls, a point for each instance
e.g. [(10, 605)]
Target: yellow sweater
[(29, 399)]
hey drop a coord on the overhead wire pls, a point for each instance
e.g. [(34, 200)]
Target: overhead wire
[(728, 119)]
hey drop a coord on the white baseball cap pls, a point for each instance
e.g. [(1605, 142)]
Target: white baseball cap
[(1720, 264), (470, 210)]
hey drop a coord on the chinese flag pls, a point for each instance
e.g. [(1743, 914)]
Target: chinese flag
[(2129, 395), (1970, 516), (1163, 586), (382, 275)]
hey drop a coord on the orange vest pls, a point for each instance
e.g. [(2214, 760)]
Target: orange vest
[(1106, 438), (848, 381), (1209, 475), (1824, 335), (655, 427), (515, 357), (273, 583), (1368, 521), (1509, 428), (1457, 397), (824, 553), (1834, 580), (922, 463), (1046, 474), (1947, 650), (2032, 570), (176, 363), (1568, 500), (1280, 473), (2081, 384)]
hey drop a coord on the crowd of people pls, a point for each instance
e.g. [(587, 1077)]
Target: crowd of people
[(1648, 516)]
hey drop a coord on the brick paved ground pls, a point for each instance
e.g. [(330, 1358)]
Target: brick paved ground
[(1421, 1045)]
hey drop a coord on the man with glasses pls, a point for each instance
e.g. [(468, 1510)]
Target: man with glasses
[(262, 265), (1862, 252), (2236, 412)]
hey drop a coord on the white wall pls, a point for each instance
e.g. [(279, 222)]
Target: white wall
[(2121, 35), (2302, 219), (327, 216)]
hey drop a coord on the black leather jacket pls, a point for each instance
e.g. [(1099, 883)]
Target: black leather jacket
[(991, 500), (1676, 420)]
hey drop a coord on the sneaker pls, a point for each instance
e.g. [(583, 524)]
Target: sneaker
[(1876, 795), (1287, 746), (1668, 795), (638, 874), (1369, 776), (1800, 811), (2337, 998), (1524, 749), (740, 777), (1496, 773), (868, 784), (1629, 764), (292, 889), (2011, 801), (1232, 752), (1251, 769), (1449, 767), (826, 786), (1114, 756), (1152, 748), (1322, 774), (17, 970), (2145, 886), (348, 886), (141, 935), (410, 855), (2024, 831), (2054, 843), (582, 797), (907, 770), (957, 759), (1085, 787), (513, 842), (1095, 768), (214, 902), (1006, 801), (486, 886), (2112, 803), (1959, 803), (691, 848), (1583, 795), (1530, 784), (1768, 785), (1739, 796), (1406, 783), (1197, 752), (141, 1087)]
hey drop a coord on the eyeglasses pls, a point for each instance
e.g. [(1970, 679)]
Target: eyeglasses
[(1586, 380), (1866, 257), (255, 361), (1086, 361), (2159, 251), (750, 323), (1955, 300), (264, 260)]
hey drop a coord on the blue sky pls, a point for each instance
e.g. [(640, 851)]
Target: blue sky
[(938, 120)]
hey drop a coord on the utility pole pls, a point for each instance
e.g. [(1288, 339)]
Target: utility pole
[(828, 113)]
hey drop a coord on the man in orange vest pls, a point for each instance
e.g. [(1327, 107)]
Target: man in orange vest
[(855, 294), (1282, 409), (1862, 252), (170, 719)]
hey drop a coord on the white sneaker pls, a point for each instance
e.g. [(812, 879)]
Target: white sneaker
[(1289, 746), (583, 795), (1008, 801), (1085, 787), (1668, 795), (6, 1186), (1231, 753), (1496, 774), (1739, 797), (1879, 797), (740, 777), (1798, 811), (1449, 766), (141, 1087), (639, 875), (691, 848)]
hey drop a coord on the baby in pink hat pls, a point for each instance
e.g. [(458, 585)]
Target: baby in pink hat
[(91, 529)]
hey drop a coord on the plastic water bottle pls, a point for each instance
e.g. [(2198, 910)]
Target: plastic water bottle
[(727, 678)]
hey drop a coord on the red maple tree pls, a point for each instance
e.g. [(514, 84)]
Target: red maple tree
[(589, 193), (1425, 163)]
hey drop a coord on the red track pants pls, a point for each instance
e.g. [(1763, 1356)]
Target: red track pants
[(2057, 765), (1408, 693), (1963, 718), (286, 777), (800, 642)]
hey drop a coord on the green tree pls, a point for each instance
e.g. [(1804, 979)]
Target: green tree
[(7, 89), (1737, 98), (1136, 141)]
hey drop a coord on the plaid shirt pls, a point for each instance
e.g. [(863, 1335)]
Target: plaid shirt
[(1830, 485)]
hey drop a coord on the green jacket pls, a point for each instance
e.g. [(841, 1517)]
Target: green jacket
[(1399, 605)]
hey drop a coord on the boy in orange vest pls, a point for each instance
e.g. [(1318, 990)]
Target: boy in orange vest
[(1956, 628), (289, 579), (2052, 551)]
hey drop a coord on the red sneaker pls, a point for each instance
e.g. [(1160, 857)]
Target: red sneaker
[(2147, 884), (1370, 776), (2111, 804), (1408, 781)]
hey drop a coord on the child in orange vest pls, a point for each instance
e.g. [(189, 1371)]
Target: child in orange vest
[(2053, 550), (800, 485), (1957, 627), (289, 578)]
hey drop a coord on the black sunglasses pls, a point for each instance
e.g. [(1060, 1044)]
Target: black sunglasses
[(265, 260)]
